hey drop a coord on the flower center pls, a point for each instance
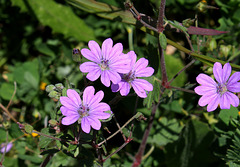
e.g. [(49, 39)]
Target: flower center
[(104, 65), (221, 88), (83, 111), (129, 77)]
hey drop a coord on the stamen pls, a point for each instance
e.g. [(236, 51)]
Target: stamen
[(104, 65)]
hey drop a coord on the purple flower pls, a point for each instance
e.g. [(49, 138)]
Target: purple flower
[(87, 111), (139, 69), (107, 62), (6, 146), (220, 92)]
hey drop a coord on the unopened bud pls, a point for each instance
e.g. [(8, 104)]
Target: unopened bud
[(50, 88), (76, 55)]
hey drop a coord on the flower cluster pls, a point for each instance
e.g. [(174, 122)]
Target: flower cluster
[(113, 65), (220, 92)]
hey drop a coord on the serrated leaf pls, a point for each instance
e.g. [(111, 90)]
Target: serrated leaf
[(59, 17), (44, 141), (28, 128)]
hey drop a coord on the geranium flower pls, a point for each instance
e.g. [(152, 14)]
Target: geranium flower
[(6, 146), (139, 69), (107, 62), (220, 92), (87, 111)]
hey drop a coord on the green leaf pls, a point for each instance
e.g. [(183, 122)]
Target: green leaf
[(15, 131), (6, 91), (30, 72), (34, 159), (28, 128), (174, 65), (227, 114), (153, 96), (59, 17), (165, 132), (163, 40), (44, 141), (192, 148)]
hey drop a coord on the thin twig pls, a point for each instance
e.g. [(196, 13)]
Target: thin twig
[(8, 113), (184, 90), (14, 92), (115, 119), (123, 145), (184, 68), (118, 130)]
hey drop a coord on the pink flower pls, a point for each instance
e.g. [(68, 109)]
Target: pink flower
[(87, 111), (6, 146), (220, 92), (107, 62), (138, 69)]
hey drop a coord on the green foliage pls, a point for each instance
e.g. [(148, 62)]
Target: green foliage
[(60, 18), (37, 38), (166, 131)]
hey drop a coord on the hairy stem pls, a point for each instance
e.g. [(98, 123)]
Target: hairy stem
[(161, 15)]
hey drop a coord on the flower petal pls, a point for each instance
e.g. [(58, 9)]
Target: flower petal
[(140, 64), (115, 51), (206, 98), (95, 123), (116, 87), (121, 64), (204, 79), (125, 89), (145, 72), (143, 83), (235, 87), (88, 67), (66, 111), (88, 95), (70, 119), (213, 104), (217, 72), (67, 102), (100, 115), (106, 48), (96, 99), (227, 99), (74, 96), (234, 78), (100, 107), (227, 69), (90, 55), (85, 125), (95, 49), (94, 75), (133, 57), (140, 85), (114, 76), (105, 78), (201, 90)]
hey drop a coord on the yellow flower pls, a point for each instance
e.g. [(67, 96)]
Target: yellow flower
[(34, 135), (43, 85)]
